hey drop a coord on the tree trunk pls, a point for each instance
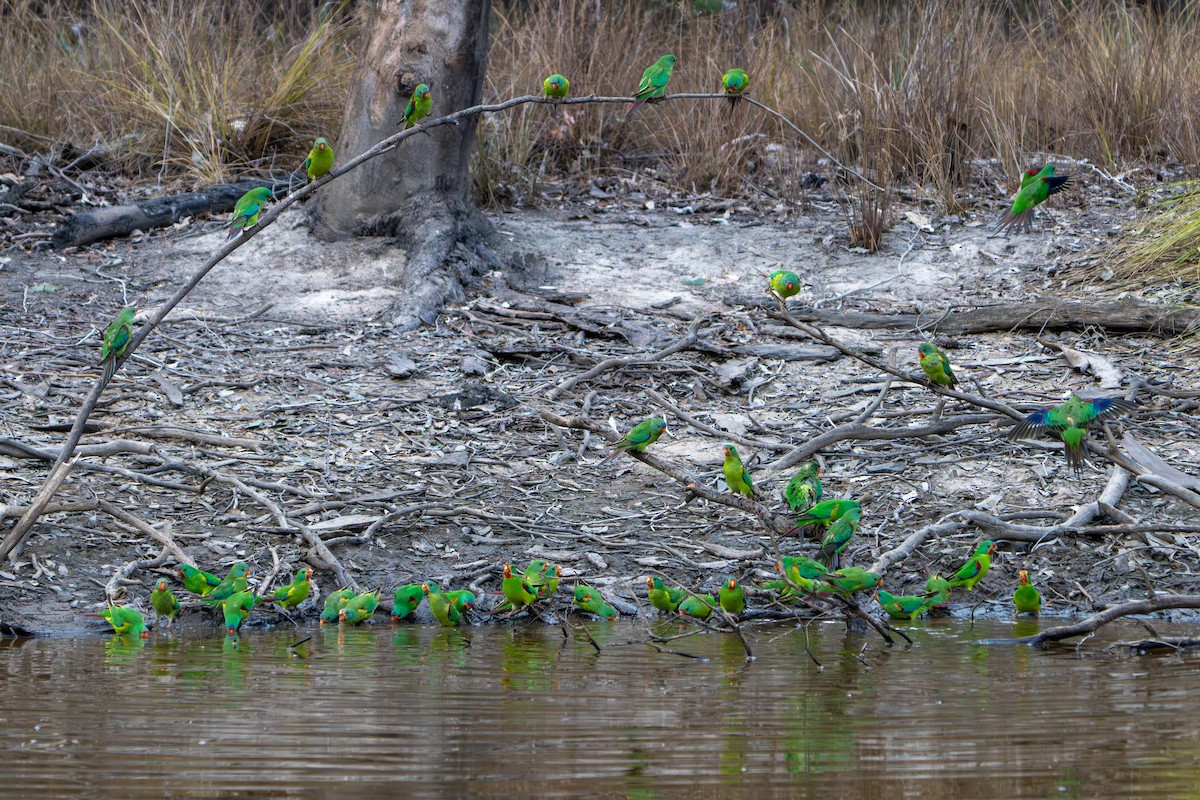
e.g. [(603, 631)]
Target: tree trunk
[(421, 191)]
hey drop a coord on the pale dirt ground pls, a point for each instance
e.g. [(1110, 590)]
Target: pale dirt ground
[(311, 379)]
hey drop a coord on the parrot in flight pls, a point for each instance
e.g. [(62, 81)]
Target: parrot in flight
[(909, 606), (699, 606), (116, 339), (441, 606), (653, 85), (838, 534), (246, 210), (556, 87), (935, 364), (1070, 421), (163, 602), (197, 581), (418, 106), (334, 602), (736, 476), (641, 436), (406, 600), (785, 284), (1026, 598), (125, 621), (804, 490), (236, 581), (734, 82), (732, 596), (661, 597), (972, 572), (1036, 186), (320, 159), (294, 593), (359, 608), (590, 600), (236, 608)]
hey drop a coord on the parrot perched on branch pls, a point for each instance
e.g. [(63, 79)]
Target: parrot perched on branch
[(320, 159), (556, 86), (418, 106), (935, 364), (116, 339), (641, 436), (785, 284), (804, 490), (734, 82), (736, 476), (246, 210), (909, 606), (653, 85), (236, 581)]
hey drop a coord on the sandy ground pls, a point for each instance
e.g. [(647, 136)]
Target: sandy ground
[(286, 347)]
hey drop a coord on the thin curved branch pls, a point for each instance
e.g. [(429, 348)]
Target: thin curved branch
[(1096, 621)]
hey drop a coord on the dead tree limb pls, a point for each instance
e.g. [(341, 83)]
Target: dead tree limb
[(609, 364), (1096, 621)]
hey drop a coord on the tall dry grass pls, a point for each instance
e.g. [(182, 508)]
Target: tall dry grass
[(910, 93), (197, 87)]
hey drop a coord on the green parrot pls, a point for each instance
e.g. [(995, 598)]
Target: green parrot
[(441, 606), (418, 106), (1070, 421), (736, 476), (699, 606), (1026, 598), (785, 284), (164, 603), (125, 621), (556, 87), (937, 589), (975, 567), (590, 601), (359, 608), (798, 569), (837, 536), (661, 597), (734, 83), (116, 339), (246, 210), (653, 84), (197, 581), (935, 364), (236, 608), (909, 606), (295, 592), (542, 577), (235, 581), (1036, 186), (320, 159), (463, 599), (334, 602), (517, 591), (732, 596), (825, 513), (787, 593), (804, 490), (641, 436), (852, 579), (406, 600)]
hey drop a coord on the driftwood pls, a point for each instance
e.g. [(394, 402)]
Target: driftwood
[(1094, 622), (1123, 316), (105, 223)]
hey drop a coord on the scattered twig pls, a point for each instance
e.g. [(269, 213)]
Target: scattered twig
[(1096, 621), (609, 364), (114, 588)]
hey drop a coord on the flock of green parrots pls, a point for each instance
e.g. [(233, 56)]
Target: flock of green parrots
[(837, 519)]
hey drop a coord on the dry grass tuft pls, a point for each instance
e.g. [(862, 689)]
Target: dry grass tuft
[(1162, 249), (201, 88), (909, 93)]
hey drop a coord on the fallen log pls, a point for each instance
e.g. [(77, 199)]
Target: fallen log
[(1123, 316), (105, 223), (1096, 621)]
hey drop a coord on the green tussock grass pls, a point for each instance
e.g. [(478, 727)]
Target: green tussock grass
[(1161, 249), (909, 93), (198, 89)]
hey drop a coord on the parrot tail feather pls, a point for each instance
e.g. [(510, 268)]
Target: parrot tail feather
[(1013, 223)]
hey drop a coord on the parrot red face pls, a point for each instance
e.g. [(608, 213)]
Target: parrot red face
[(727, 453), (731, 584), (425, 588), (162, 586), (1023, 577)]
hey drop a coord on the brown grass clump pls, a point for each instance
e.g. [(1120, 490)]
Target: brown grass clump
[(201, 87), (910, 93)]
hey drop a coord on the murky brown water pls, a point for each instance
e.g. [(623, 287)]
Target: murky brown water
[(419, 712)]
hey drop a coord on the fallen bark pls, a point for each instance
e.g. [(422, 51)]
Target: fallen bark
[(95, 224), (1123, 316)]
